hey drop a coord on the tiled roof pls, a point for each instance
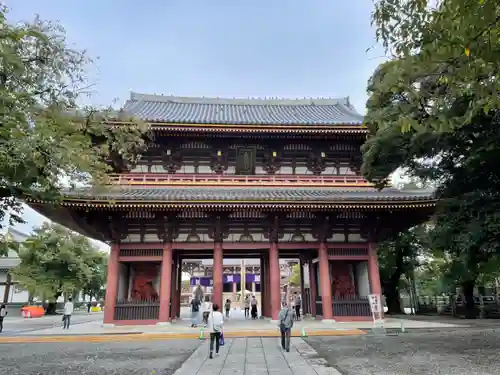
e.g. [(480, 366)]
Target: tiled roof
[(173, 109), (257, 194)]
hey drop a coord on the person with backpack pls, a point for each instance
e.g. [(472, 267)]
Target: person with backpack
[(215, 323), (285, 319), (3, 314)]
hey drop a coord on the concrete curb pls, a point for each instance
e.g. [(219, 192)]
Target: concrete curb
[(163, 336)]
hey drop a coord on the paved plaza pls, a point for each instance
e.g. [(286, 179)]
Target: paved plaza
[(257, 356), (463, 351), (449, 351)]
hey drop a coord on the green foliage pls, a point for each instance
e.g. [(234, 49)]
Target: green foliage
[(295, 277), (7, 244), (441, 54), (55, 260), (434, 110), (94, 287), (44, 135)]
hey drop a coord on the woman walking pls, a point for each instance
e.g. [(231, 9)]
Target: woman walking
[(215, 323)]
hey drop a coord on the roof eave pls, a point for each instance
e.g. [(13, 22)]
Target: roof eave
[(218, 127)]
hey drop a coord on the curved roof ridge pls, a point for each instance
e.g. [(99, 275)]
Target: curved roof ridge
[(239, 101)]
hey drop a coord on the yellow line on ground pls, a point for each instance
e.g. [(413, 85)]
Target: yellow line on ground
[(165, 336)]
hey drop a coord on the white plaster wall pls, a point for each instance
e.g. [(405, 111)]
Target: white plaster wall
[(122, 281), (362, 280), (157, 280), (305, 270), (130, 282)]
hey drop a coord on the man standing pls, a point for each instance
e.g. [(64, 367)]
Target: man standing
[(68, 310), (285, 319)]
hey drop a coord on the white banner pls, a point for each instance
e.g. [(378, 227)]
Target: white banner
[(376, 307)]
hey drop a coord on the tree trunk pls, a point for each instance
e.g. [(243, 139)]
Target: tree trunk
[(51, 306), (391, 293), (469, 303)]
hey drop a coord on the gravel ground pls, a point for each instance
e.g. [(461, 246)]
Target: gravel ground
[(464, 352), (137, 358)]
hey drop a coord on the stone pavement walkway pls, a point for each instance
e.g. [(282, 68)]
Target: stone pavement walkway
[(252, 356)]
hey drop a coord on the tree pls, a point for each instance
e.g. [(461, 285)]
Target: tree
[(398, 256), (295, 277), (434, 111), (53, 261), (94, 287), (45, 136)]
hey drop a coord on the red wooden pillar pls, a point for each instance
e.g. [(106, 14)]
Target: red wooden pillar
[(217, 274), (373, 270), (263, 289), (173, 289), (179, 286), (112, 284), (165, 283), (326, 285), (274, 280), (302, 285), (313, 290)]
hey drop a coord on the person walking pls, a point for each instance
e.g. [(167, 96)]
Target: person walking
[(285, 319), (207, 307), (247, 307), (89, 306), (227, 307), (3, 314), (68, 310), (297, 304), (253, 303), (215, 323), (195, 312)]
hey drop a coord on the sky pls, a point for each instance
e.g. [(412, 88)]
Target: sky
[(218, 48)]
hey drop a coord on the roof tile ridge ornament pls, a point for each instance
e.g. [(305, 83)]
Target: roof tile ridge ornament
[(138, 97)]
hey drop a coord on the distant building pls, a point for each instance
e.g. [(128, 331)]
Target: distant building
[(8, 290)]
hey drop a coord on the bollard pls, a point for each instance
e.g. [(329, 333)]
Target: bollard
[(303, 332), (403, 327), (202, 334)]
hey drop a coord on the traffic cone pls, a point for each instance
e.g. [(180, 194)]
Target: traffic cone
[(303, 332), (202, 334)]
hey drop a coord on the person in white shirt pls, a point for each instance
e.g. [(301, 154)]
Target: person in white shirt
[(215, 323), (68, 310), (207, 308)]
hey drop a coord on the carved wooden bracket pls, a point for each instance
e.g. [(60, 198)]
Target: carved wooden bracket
[(274, 231), (167, 226), (117, 227), (220, 228), (322, 228), (272, 160), (172, 159), (316, 162), (218, 162)]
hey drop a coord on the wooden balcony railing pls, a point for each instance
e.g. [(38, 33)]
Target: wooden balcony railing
[(231, 180)]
